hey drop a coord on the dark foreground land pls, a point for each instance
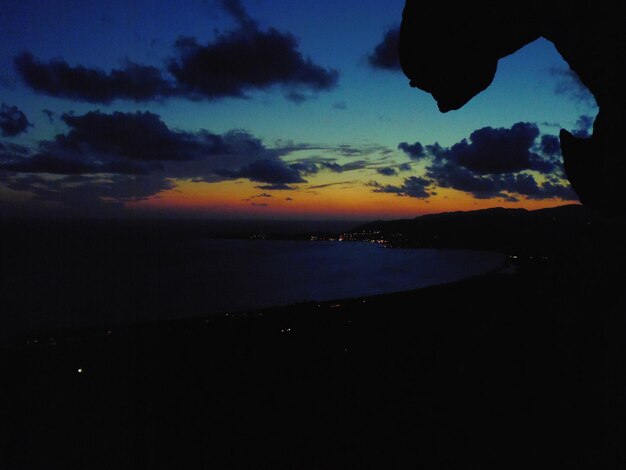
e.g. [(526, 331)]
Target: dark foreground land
[(521, 368)]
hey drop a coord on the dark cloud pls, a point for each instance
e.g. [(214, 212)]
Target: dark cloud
[(340, 105), (108, 151), (328, 185), (404, 167), (305, 167), (499, 150), (414, 186), (238, 12), (265, 171), (436, 150), (46, 163), (358, 150), (387, 171), (234, 63), (314, 165), (9, 150), (550, 145), (346, 150), (245, 59), (349, 150), (526, 185), (58, 78), (49, 114), (415, 151), (84, 194), (140, 136), (296, 97), (449, 175), (277, 187), (569, 84), (496, 163), (560, 191), (584, 126), (385, 55), (338, 168), (12, 121), (136, 143)]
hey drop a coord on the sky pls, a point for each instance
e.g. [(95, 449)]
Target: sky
[(268, 109)]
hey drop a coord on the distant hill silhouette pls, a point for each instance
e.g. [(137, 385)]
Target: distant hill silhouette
[(562, 231)]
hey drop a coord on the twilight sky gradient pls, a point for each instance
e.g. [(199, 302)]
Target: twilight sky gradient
[(262, 109)]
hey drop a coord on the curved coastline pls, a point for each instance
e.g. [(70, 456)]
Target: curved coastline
[(53, 336), (381, 271)]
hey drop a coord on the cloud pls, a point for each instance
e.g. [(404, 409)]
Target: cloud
[(415, 151), (404, 167), (569, 85), (328, 185), (584, 126), (296, 97), (358, 150), (450, 175), (238, 12), (140, 136), (314, 165), (138, 143), (277, 187), (12, 121), (10, 150), (114, 153), (550, 145), (88, 194), (305, 167), (346, 150), (385, 55), (501, 150), (265, 171), (560, 191), (59, 79), (246, 59), (49, 114), (414, 186), (387, 171), (46, 163), (338, 168), (232, 65), (494, 163), (257, 196)]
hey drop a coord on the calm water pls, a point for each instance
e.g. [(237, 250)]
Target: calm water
[(99, 281)]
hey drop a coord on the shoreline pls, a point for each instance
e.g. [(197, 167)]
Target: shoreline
[(39, 335), (53, 336)]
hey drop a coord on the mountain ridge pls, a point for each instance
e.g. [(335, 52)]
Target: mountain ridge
[(558, 231)]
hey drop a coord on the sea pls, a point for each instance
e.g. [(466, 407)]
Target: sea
[(60, 276)]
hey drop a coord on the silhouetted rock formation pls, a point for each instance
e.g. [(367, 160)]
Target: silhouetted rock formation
[(452, 51)]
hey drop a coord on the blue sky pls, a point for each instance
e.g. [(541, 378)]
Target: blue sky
[(367, 109)]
